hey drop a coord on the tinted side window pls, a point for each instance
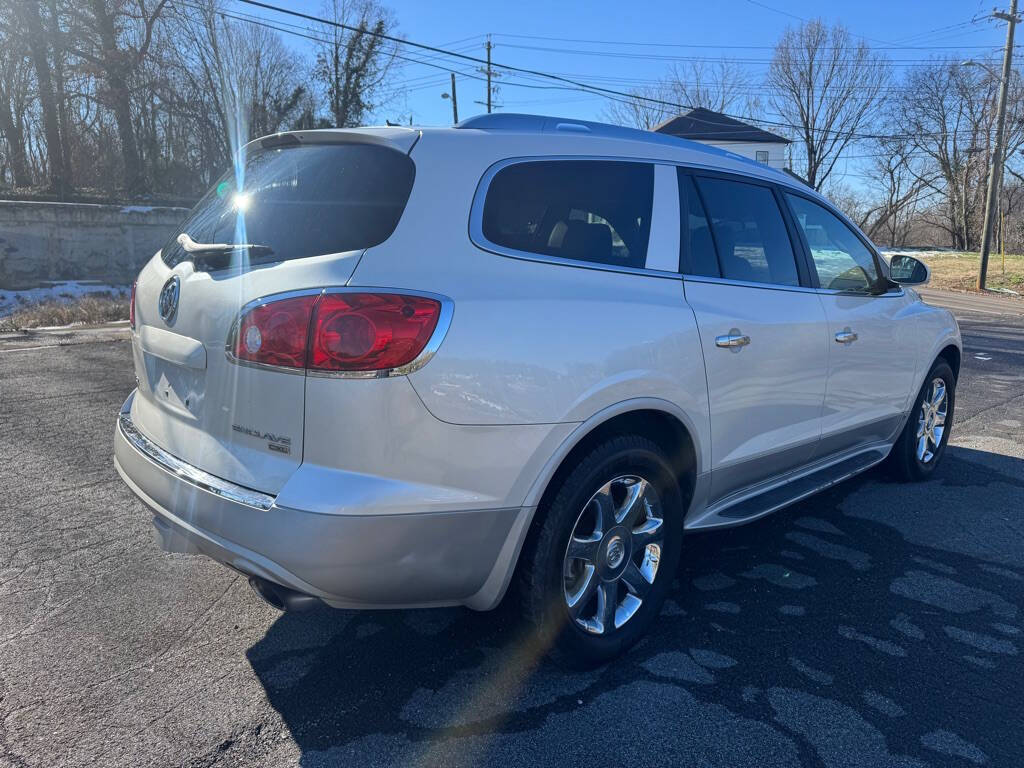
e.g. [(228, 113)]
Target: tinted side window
[(750, 233), (842, 261), (594, 211), (698, 249)]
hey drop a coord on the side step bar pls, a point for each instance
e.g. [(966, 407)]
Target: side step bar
[(749, 506)]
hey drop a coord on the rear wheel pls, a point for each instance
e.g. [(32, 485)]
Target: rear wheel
[(922, 443), (603, 552)]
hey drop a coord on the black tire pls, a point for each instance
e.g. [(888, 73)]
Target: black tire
[(904, 462), (542, 576)]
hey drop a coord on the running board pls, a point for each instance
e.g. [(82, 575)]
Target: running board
[(747, 506)]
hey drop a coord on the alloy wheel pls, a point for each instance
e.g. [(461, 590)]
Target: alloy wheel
[(613, 554), (931, 421)]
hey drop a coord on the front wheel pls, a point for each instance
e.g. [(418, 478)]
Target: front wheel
[(602, 554), (923, 441)]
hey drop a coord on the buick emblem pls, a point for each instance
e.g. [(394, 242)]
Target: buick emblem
[(169, 299)]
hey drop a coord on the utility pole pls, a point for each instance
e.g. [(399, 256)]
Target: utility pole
[(487, 45), (996, 171), (455, 102)]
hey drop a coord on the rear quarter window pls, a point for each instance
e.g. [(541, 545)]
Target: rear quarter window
[(585, 210), (304, 200)]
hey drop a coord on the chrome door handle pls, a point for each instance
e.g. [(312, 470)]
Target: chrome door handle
[(846, 336), (732, 339)]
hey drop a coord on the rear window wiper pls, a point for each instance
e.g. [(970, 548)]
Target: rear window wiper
[(216, 255), (191, 246)]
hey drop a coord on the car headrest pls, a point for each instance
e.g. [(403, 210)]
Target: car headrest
[(734, 267), (590, 241)]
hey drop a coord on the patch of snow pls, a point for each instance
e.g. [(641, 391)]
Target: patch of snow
[(11, 301), (136, 208), (921, 253)]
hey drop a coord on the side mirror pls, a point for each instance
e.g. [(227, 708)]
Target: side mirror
[(906, 270)]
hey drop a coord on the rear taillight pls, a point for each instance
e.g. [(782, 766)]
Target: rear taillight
[(275, 333), (370, 331), (131, 306), (340, 332)]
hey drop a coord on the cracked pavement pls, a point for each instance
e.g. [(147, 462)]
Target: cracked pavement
[(876, 624)]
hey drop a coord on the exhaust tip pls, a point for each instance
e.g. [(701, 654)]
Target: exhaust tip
[(266, 592), (280, 597)]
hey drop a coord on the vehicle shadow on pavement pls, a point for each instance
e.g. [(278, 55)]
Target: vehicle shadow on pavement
[(875, 624)]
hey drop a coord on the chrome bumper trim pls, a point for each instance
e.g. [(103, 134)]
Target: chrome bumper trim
[(184, 471)]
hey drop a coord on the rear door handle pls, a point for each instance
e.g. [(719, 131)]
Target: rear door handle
[(732, 339), (846, 336)]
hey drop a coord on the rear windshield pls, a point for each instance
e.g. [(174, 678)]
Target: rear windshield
[(298, 201)]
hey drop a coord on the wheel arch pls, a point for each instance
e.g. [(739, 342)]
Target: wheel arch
[(952, 355), (656, 419)]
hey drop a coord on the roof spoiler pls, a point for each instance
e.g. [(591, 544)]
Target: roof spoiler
[(395, 137)]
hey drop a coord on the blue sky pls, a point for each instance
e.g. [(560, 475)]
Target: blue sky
[(725, 24), (632, 43)]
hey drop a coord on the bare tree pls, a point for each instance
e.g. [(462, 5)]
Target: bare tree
[(900, 182), (645, 108), (250, 83), (114, 38), (38, 39), (14, 91), (947, 113), (353, 66), (828, 87), (719, 85)]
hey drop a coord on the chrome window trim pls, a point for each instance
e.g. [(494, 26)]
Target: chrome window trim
[(184, 471), (476, 216), (790, 288), (444, 322), (476, 234), (889, 294)]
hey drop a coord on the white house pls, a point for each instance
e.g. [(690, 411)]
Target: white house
[(720, 130)]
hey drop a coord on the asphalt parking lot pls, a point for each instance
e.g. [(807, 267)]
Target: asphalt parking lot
[(874, 625)]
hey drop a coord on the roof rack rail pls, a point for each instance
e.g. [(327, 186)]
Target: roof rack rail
[(523, 123), (509, 121)]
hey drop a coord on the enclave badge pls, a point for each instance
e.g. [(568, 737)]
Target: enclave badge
[(168, 303), (279, 443)]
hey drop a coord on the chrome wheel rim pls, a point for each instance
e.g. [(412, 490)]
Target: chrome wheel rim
[(613, 554), (931, 421)]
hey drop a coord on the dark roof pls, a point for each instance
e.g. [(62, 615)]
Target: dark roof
[(704, 125)]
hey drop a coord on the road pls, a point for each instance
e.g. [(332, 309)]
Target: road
[(877, 624)]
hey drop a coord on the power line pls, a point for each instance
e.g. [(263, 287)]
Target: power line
[(611, 93), (716, 46), (801, 18), (723, 59), (258, 21)]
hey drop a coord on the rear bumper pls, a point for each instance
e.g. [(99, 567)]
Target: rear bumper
[(346, 560)]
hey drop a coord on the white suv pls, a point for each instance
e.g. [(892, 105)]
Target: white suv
[(393, 367)]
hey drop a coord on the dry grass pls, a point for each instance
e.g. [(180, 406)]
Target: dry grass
[(88, 310), (959, 271)]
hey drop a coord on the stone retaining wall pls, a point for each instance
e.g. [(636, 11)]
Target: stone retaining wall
[(40, 242)]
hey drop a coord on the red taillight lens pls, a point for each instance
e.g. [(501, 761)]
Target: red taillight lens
[(275, 333), (131, 306), (370, 331), (337, 331)]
